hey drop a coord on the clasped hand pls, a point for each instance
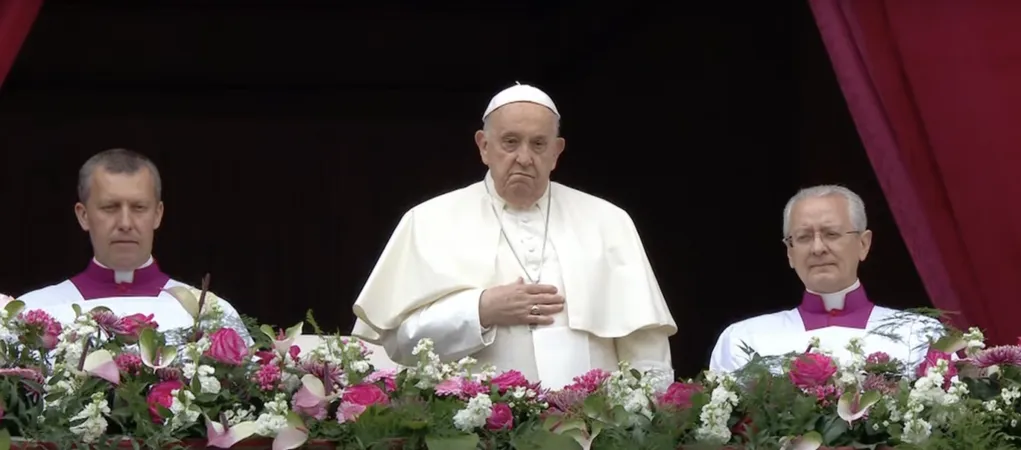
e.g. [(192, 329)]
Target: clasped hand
[(511, 304)]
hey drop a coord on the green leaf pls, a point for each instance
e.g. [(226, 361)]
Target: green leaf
[(834, 430), (14, 307), (5, 439), (544, 440), (415, 424), (950, 344), (461, 442)]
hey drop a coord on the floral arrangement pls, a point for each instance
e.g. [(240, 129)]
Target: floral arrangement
[(104, 381)]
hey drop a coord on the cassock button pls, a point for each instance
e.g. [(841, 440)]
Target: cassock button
[(524, 219), (122, 287)]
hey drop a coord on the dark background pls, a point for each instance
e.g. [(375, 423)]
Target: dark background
[(292, 136)]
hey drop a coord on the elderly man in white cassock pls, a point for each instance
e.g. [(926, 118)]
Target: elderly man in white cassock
[(517, 271), (120, 206), (826, 236)]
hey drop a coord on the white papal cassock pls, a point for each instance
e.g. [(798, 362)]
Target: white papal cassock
[(141, 291), (446, 251), (834, 319)]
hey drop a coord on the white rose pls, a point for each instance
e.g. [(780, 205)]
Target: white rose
[(5, 299)]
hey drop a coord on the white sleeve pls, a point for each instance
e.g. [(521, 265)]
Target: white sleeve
[(727, 355), (452, 323)]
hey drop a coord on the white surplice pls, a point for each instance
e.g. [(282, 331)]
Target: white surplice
[(446, 251), (903, 336), (57, 300)]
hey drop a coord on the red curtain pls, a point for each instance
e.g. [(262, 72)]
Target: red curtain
[(934, 87), (16, 17)]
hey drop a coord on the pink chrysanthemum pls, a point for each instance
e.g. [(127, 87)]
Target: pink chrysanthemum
[(106, 319), (566, 400), (998, 356)]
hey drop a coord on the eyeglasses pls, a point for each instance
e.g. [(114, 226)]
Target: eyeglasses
[(806, 238)]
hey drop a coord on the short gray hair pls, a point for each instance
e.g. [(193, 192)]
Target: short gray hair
[(116, 161), (855, 205)]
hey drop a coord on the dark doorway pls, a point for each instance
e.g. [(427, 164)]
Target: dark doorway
[(292, 136)]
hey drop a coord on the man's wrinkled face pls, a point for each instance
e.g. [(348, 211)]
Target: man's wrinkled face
[(121, 215), (823, 246), (521, 148)]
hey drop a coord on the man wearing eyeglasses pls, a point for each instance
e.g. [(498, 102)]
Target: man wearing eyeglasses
[(826, 237)]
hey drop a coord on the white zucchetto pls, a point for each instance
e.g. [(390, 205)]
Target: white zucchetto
[(520, 93)]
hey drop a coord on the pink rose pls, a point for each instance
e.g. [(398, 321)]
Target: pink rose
[(509, 380), (501, 417), (129, 327), (226, 346), (365, 394), (678, 395), (811, 370), (161, 395), (932, 357)]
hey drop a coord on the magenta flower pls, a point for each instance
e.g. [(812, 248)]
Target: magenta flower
[(998, 356)]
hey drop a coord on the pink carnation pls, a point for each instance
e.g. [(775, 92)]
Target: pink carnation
[(47, 327), (877, 358), (128, 363), (590, 382), (811, 370), (268, 377), (462, 388)]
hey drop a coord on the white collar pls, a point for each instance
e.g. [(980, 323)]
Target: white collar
[(501, 204), (124, 276), (835, 300)]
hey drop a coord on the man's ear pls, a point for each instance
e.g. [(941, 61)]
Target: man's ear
[(159, 216), (558, 148), (82, 214), (482, 144), (866, 244)]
